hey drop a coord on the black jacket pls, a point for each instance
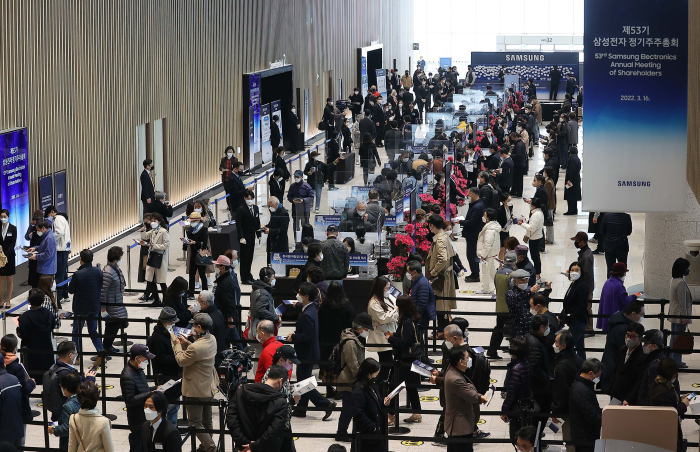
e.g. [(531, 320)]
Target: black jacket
[(368, 154), (504, 178), (555, 76), (201, 242), (166, 436), (277, 239), (247, 223), (567, 366), (8, 243), (305, 337), (368, 413), (480, 372), (585, 414), (16, 369), (640, 393), (367, 126), (180, 306), (276, 188), (335, 320), (627, 374), (539, 364), (157, 206), (280, 163), (573, 175), (257, 416), (135, 391), (356, 98), (219, 329), (227, 297), (236, 190), (86, 287), (35, 329), (576, 301), (148, 191), (473, 223), (614, 341), (615, 227), (274, 135), (165, 367), (407, 334), (517, 384), (519, 155), (316, 176), (541, 194), (301, 277)]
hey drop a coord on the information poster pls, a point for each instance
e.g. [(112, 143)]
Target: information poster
[(365, 80), (45, 191), (60, 193), (14, 182), (276, 109), (381, 83), (265, 143), (636, 71), (254, 122)]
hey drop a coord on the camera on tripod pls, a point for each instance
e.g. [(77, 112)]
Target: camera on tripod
[(233, 370), (342, 104)]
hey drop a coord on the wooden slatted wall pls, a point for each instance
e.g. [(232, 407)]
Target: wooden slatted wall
[(81, 75)]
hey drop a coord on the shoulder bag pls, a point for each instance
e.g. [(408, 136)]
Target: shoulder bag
[(3, 258), (683, 344), (77, 432), (415, 351), (155, 259), (203, 257)]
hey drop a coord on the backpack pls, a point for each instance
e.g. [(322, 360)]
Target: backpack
[(336, 358), (52, 395)]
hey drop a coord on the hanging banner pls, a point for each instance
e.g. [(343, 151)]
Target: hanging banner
[(381, 83), (45, 191), (365, 80), (265, 143), (636, 69), (14, 182), (448, 176), (59, 189), (255, 155)]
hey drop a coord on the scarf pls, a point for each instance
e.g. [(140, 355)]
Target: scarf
[(9, 357)]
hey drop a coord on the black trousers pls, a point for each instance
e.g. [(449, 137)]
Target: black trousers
[(331, 175), (380, 135), (497, 335), (345, 413), (471, 258), (554, 89), (617, 252), (518, 174), (386, 360), (303, 372), (461, 447), (202, 275), (152, 289), (111, 331), (571, 206), (406, 375), (247, 252)]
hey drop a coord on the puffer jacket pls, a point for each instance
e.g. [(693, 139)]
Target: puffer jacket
[(566, 368), (262, 306), (585, 414), (257, 416), (517, 384), (336, 259), (11, 395), (539, 364), (489, 242), (352, 356), (135, 391), (113, 285), (519, 310), (502, 282), (303, 191)]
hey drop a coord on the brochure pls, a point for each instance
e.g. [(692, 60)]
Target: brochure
[(398, 389), (169, 384), (301, 388), (280, 309), (422, 369), (182, 331)]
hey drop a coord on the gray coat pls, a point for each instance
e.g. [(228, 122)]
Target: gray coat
[(573, 132), (113, 285), (681, 300), (262, 305)]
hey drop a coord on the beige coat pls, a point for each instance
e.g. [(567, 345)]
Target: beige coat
[(95, 432), (438, 261), (407, 81), (199, 377), (462, 404), (537, 110), (382, 321), (352, 356), (160, 239)]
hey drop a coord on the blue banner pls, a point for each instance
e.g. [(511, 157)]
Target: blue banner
[(265, 144), (357, 260), (14, 182), (360, 192), (636, 70), (321, 222), (45, 191), (276, 109), (288, 258), (255, 157), (365, 80), (390, 220), (60, 192)]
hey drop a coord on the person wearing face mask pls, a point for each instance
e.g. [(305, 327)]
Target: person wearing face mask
[(10, 362), (585, 414), (576, 302), (518, 300), (572, 190), (352, 354), (135, 391), (8, 238), (306, 343), (157, 262), (196, 356), (567, 365), (368, 406), (653, 348), (613, 296), (277, 228), (539, 304), (680, 303), (257, 413), (247, 225), (335, 259), (197, 237), (462, 399), (504, 172), (158, 432), (356, 101), (384, 317), (439, 268), (68, 385), (51, 395), (540, 358), (629, 362), (519, 164), (422, 293), (219, 327), (175, 297), (275, 136), (615, 340), (225, 165), (262, 305), (165, 366), (48, 286), (236, 188), (335, 315), (161, 206), (147, 185), (286, 357), (301, 195), (534, 232), (112, 297), (502, 282), (487, 249), (423, 96), (517, 387), (472, 225), (45, 253), (664, 393), (227, 297), (266, 348), (315, 172)]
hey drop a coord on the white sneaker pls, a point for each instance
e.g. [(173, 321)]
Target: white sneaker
[(208, 281), (197, 286), (316, 211)]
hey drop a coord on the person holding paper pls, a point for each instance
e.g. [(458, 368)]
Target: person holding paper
[(265, 335), (301, 195), (572, 191), (368, 406), (566, 368), (306, 344), (518, 388), (278, 228), (462, 400), (35, 328), (69, 383), (384, 317), (165, 366)]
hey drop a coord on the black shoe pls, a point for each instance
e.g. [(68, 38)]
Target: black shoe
[(342, 437), (298, 414), (570, 213), (112, 351), (330, 410), (598, 252), (249, 282), (143, 298), (471, 279)]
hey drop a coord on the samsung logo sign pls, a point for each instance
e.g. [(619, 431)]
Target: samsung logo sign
[(634, 183), (524, 57)]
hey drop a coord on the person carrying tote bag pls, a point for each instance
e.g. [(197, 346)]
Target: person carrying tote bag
[(157, 263)]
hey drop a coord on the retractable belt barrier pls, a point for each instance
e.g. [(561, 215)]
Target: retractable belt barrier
[(357, 439)]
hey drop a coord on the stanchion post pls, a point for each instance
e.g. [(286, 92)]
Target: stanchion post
[(80, 319), (124, 344), (148, 333), (385, 419), (216, 210), (128, 266), (4, 323), (100, 330), (103, 379), (184, 251), (222, 425), (396, 401), (45, 415), (193, 438)]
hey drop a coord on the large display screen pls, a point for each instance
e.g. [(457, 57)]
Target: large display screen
[(14, 182)]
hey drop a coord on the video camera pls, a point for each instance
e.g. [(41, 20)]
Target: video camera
[(233, 370), (342, 104)]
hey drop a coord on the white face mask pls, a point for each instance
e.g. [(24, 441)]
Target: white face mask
[(234, 264), (510, 203), (143, 364), (596, 380), (154, 225), (469, 363), (249, 202), (574, 276), (622, 278), (641, 319), (300, 299), (546, 332), (53, 287), (272, 209), (229, 155), (556, 349), (448, 345), (119, 263), (297, 179), (533, 311), (365, 334), (294, 110), (483, 219), (198, 210), (361, 213), (320, 256), (404, 160), (522, 286), (150, 414), (4, 220), (272, 283), (306, 249), (39, 233)]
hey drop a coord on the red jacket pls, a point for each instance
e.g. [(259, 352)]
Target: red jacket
[(270, 346)]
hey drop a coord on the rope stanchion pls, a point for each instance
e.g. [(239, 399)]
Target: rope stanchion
[(103, 378)]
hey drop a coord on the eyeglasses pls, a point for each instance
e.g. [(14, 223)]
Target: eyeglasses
[(631, 336)]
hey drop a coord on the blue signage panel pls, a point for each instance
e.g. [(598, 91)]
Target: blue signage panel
[(288, 258), (321, 222), (45, 191), (14, 182), (60, 192), (358, 260)]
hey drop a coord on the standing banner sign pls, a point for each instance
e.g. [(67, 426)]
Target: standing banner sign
[(255, 158), (448, 176), (59, 189), (45, 191), (265, 132), (381, 83), (365, 80), (276, 109), (14, 182), (636, 68)]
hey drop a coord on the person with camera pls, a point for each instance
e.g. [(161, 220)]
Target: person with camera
[(257, 414), (196, 355)]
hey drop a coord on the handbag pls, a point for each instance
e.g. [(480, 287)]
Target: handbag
[(526, 239), (415, 351), (155, 260), (3, 258), (203, 257), (683, 343)]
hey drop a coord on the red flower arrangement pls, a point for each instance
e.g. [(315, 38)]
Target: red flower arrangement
[(426, 198), (396, 266), (404, 240)]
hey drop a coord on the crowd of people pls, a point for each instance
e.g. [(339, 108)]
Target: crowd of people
[(548, 373)]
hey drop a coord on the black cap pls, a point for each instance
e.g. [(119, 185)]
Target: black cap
[(329, 99), (140, 350), (287, 352), (364, 320), (332, 228)]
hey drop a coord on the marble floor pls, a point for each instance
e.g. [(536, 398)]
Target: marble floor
[(556, 260)]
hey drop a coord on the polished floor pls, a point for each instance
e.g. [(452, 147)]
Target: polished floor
[(556, 260)]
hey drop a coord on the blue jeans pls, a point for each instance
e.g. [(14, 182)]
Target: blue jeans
[(578, 332), (319, 191), (676, 328), (92, 329), (171, 415)]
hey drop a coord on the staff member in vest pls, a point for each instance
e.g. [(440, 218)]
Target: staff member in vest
[(157, 433)]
